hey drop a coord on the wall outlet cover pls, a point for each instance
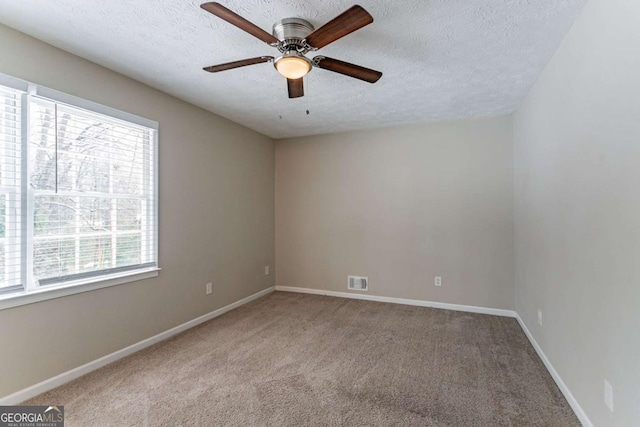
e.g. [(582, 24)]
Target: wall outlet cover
[(608, 395)]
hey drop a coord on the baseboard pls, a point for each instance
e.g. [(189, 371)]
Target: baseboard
[(582, 416), (46, 385), (404, 301)]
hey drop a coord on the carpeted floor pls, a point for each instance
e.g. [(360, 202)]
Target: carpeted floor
[(296, 360)]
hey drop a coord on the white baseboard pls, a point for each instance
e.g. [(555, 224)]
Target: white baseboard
[(582, 416), (46, 385), (416, 302)]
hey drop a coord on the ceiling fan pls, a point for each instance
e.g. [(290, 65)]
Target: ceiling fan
[(294, 37)]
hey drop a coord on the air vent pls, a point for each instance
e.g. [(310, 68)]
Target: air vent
[(358, 283)]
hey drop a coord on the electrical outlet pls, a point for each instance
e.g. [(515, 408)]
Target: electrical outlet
[(438, 281), (608, 395), (540, 317), (209, 288), (266, 270)]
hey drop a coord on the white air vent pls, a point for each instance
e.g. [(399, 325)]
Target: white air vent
[(357, 283)]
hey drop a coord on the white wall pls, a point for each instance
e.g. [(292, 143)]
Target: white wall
[(216, 224), (577, 169), (400, 206)]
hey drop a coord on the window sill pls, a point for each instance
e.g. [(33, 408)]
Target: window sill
[(75, 287)]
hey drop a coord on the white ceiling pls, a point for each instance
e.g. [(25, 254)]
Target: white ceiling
[(441, 59)]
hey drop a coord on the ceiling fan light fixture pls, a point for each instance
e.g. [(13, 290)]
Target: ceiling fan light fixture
[(293, 65), (295, 37)]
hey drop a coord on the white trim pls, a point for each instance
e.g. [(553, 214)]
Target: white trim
[(582, 416), (74, 287), (13, 82), (65, 377), (416, 302), (155, 247)]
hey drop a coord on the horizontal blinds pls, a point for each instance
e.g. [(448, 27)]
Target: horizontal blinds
[(10, 189), (92, 182)]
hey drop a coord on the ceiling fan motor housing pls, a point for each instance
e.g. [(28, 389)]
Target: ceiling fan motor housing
[(291, 32)]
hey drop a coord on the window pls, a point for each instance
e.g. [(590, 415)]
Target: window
[(10, 189), (78, 191)]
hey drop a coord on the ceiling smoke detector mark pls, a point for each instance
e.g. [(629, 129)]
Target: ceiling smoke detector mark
[(358, 283)]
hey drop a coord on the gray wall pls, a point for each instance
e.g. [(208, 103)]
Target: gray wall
[(216, 225), (400, 206), (577, 151)]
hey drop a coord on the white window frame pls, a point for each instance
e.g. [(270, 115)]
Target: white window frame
[(30, 293)]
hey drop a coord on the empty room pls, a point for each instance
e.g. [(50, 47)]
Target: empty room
[(280, 213)]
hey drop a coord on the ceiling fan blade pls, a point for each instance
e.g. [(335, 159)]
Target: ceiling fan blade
[(348, 22), (238, 64), (296, 88), (351, 70), (233, 18)]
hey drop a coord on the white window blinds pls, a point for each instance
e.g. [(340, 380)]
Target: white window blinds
[(10, 190), (91, 182), (78, 193)]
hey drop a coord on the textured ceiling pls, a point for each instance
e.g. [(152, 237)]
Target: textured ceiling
[(441, 59)]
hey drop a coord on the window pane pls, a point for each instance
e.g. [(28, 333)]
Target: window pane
[(3, 274), (95, 214), (93, 185), (10, 187), (130, 213), (42, 146), (54, 215), (3, 212), (95, 254), (128, 250), (54, 257), (3, 277)]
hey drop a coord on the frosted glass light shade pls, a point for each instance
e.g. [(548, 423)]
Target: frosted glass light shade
[(292, 67)]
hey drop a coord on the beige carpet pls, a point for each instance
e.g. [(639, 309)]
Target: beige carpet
[(297, 360)]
